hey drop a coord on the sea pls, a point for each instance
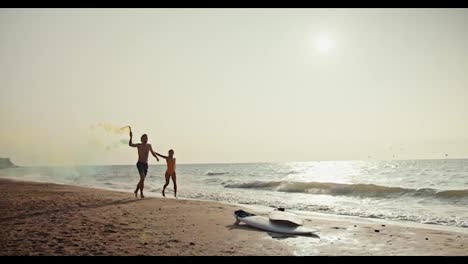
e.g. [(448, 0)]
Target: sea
[(422, 191)]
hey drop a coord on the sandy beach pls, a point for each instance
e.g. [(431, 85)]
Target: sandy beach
[(50, 219)]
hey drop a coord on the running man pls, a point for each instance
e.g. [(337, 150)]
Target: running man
[(142, 165)]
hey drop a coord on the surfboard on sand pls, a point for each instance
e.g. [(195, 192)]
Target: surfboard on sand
[(286, 218), (264, 223)]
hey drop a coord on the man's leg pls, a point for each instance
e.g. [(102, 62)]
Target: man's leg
[(142, 185), (139, 182), (137, 188), (174, 181)]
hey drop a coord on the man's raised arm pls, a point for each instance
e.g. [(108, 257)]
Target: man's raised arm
[(130, 141)]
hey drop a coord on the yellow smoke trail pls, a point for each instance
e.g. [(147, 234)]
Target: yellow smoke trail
[(124, 128), (111, 129)]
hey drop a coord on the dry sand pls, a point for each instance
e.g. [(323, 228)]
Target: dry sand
[(50, 219)]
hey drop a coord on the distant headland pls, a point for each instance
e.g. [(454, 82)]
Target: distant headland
[(6, 163)]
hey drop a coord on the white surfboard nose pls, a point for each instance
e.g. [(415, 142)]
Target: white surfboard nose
[(264, 223)]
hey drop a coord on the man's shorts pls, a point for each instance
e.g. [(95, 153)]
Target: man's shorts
[(142, 168)]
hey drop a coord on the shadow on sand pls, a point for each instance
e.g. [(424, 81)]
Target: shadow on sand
[(71, 209)]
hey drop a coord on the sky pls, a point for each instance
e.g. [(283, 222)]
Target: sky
[(233, 85)]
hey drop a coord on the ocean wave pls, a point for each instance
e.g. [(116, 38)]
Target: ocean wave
[(366, 190), (289, 172), (212, 180), (215, 173)]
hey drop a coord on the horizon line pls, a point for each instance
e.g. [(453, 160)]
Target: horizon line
[(224, 163)]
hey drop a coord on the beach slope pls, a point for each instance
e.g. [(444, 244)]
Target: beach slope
[(50, 219)]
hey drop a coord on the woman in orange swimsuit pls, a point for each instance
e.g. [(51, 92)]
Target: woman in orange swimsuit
[(170, 172)]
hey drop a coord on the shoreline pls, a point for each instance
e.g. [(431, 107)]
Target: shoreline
[(59, 219), (54, 219), (264, 208)]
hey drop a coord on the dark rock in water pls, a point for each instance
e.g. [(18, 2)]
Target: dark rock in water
[(6, 163), (383, 225), (427, 238), (376, 230), (192, 244), (355, 225)]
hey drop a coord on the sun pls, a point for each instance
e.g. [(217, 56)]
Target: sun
[(323, 44)]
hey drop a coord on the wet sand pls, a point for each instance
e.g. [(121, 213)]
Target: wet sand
[(50, 219), (353, 236)]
